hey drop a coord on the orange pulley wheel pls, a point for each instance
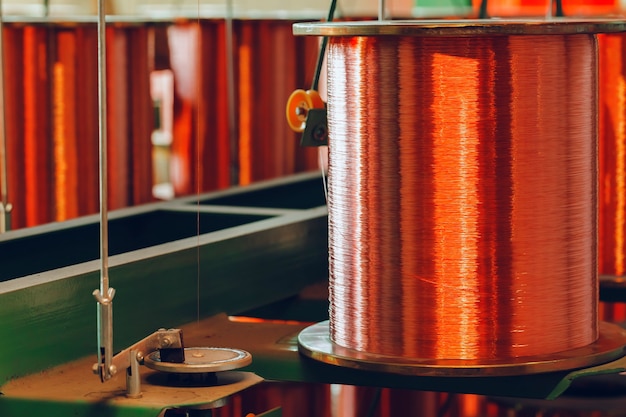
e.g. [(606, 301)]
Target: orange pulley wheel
[(299, 103)]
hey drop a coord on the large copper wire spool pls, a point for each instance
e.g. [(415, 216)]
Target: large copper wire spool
[(462, 195), (460, 212)]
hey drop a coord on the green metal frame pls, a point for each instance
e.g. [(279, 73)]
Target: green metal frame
[(21, 407), (251, 256)]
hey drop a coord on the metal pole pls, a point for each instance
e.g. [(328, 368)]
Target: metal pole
[(550, 11), (381, 10), (5, 206), (133, 380), (105, 294), (102, 134), (230, 85), (555, 9), (320, 56)]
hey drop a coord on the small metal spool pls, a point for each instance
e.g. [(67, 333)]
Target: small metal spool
[(201, 360)]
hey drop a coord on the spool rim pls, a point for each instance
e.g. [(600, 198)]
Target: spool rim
[(314, 342), (463, 27)]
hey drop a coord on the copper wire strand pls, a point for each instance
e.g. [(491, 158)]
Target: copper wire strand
[(461, 192)]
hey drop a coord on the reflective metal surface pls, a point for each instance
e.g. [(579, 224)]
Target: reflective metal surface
[(469, 27), (314, 342), (202, 359)]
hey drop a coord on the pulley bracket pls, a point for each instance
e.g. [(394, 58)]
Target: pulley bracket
[(169, 342), (164, 351), (316, 129)]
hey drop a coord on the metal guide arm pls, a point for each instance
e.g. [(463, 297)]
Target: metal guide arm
[(168, 341), (105, 333)]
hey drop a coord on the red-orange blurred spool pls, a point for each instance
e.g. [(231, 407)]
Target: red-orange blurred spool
[(52, 119), (540, 8), (52, 124), (462, 195), (612, 154), (612, 163)]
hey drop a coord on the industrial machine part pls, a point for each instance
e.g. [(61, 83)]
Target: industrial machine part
[(164, 349), (306, 111), (169, 343)]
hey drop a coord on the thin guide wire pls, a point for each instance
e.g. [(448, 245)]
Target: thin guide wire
[(198, 176)]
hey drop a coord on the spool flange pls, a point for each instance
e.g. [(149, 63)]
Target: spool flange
[(314, 342), (464, 27)]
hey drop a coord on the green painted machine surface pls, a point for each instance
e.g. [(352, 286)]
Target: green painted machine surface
[(171, 263), (23, 407)]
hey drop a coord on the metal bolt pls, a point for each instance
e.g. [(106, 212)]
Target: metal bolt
[(166, 342), (319, 133), (301, 111)]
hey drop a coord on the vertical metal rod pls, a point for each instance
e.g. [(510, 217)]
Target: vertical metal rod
[(322, 51), (133, 380), (5, 207), (549, 12), (555, 9), (482, 11), (105, 294), (230, 84), (559, 8), (102, 134), (198, 159), (381, 10)]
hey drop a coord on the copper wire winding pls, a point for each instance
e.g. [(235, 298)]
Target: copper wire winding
[(462, 195)]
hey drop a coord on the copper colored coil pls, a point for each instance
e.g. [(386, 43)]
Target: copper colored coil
[(35, 125), (612, 154), (462, 195), (612, 165)]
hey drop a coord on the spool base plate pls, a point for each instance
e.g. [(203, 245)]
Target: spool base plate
[(314, 342), (201, 360)]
